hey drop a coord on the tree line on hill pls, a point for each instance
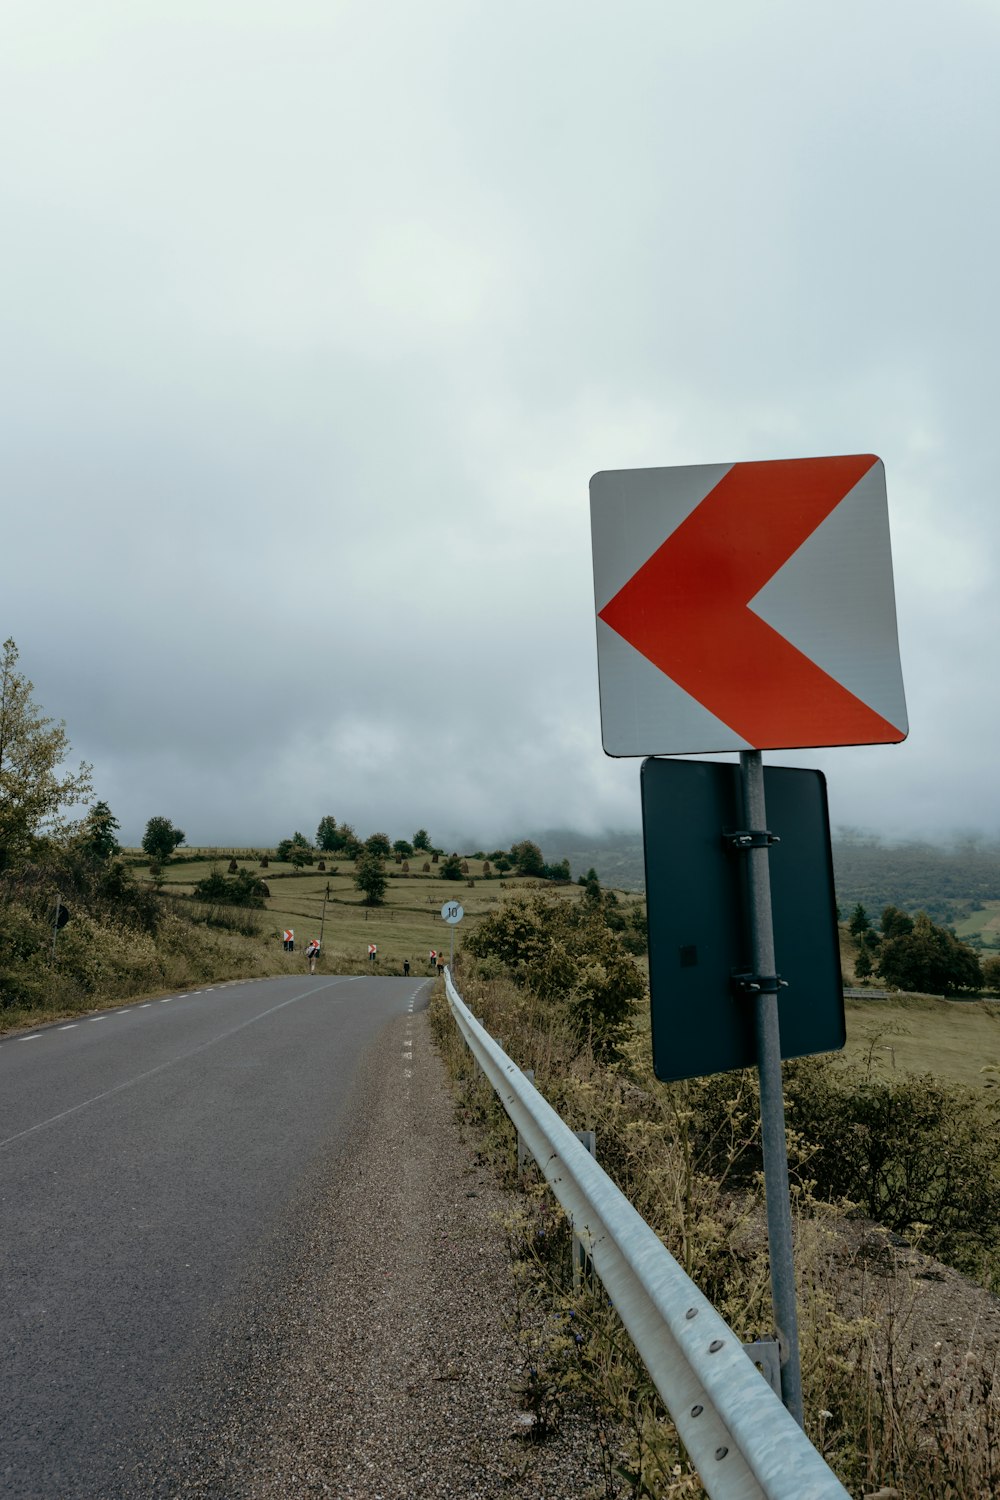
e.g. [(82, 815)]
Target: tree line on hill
[(947, 881), (914, 953), (370, 856)]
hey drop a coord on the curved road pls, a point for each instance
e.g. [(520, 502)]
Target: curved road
[(146, 1154)]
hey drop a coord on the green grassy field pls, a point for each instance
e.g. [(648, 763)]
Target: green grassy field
[(408, 925), (956, 1039), (984, 924)]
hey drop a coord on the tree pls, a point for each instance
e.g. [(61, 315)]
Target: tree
[(929, 959), (161, 839), (403, 848), (326, 834), (379, 844), (350, 844), (863, 964), (895, 923), (451, 868), (991, 973), (370, 877), (32, 749), (527, 857), (295, 851), (422, 839), (97, 836), (859, 924)]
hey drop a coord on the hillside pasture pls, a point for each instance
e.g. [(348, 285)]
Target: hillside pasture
[(951, 1039), (983, 924), (407, 925)]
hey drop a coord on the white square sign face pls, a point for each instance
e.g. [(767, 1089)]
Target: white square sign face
[(745, 607)]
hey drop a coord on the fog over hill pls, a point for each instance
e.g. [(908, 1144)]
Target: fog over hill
[(946, 880)]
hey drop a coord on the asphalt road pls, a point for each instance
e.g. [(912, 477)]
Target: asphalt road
[(146, 1156)]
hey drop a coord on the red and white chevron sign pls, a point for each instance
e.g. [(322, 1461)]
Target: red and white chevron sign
[(745, 607)]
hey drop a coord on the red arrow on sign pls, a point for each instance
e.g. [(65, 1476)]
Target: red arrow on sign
[(687, 609)]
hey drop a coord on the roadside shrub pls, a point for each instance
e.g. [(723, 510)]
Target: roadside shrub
[(242, 889), (916, 1154), (25, 939), (568, 957)]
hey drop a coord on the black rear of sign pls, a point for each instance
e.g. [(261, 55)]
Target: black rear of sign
[(699, 933)]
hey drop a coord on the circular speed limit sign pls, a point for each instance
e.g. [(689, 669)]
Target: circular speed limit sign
[(452, 912)]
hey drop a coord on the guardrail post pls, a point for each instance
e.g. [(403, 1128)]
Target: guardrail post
[(582, 1268), (522, 1146), (765, 1354)]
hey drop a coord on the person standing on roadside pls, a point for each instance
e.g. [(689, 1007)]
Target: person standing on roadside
[(312, 953)]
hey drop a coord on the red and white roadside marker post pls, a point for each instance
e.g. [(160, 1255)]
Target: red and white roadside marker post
[(744, 607)]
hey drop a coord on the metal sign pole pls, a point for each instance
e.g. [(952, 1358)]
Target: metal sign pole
[(772, 1106)]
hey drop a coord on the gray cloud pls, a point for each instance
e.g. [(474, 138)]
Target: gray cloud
[(318, 318)]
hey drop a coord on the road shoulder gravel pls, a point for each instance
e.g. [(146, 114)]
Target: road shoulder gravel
[(372, 1355)]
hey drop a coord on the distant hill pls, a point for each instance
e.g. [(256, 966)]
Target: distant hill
[(617, 857), (946, 881)]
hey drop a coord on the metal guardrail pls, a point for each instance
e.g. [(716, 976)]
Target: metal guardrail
[(742, 1441)]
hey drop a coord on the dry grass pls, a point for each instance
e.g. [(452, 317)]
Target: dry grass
[(898, 1352), (951, 1039)]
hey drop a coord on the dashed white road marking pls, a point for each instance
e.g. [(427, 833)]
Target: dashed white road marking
[(32, 1038), (144, 1007), (167, 999), (69, 1027), (129, 1083)]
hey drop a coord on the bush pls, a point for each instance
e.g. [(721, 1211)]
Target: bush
[(909, 1152), (566, 956), (241, 889)]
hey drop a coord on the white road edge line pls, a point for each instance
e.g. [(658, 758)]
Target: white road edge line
[(151, 1072)]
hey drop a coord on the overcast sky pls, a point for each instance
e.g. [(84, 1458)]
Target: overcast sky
[(318, 315)]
